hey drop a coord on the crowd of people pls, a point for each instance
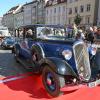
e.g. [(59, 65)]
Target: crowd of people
[(89, 34)]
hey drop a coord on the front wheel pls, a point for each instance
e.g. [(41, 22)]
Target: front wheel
[(52, 82)]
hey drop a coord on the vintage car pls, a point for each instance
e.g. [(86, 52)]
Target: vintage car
[(62, 62), (8, 43)]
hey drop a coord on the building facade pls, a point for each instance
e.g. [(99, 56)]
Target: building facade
[(98, 19), (34, 12), (41, 12), (29, 11), (0, 21), (18, 18), (8, 18), (87, 9), (61, 12), (56, 12), (8, 21), (28, 14)]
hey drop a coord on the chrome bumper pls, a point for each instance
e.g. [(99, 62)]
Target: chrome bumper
[(93, 84), (78, 86)]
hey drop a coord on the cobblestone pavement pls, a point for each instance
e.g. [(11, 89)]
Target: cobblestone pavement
[(8, 65)]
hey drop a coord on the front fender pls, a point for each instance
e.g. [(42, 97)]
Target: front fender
[(59, 66)]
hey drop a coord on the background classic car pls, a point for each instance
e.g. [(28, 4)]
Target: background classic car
[(61, 61), (8, 43)]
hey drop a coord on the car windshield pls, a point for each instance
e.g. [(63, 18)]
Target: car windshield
[(51, 33)]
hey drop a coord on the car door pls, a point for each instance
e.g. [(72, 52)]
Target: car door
[(25, 51), (26, 44)]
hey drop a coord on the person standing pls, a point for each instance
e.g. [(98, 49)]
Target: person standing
[(90, 35), (94, 29), (97, 34)]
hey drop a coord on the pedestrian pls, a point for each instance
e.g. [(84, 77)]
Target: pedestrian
[(97, 34), (94, 29), (90, 35), (75, 30)]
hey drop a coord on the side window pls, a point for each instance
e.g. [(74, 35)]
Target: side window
[(43, 32), (48, 32), (59, 32)]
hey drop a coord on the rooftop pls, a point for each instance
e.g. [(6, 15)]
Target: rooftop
[(54, 2)]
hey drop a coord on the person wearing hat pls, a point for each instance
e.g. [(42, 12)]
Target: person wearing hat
[(80, 35)]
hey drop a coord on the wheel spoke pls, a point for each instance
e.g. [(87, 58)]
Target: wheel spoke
[(50, 82)]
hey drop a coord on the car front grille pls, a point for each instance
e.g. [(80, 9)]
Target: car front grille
[(82, 61)]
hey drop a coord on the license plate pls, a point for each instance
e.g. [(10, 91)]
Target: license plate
[(93, 84)]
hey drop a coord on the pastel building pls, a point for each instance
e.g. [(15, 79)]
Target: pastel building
[(56, 12), (87, 9)]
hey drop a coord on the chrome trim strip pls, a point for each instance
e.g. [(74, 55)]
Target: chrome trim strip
[(43, 54)]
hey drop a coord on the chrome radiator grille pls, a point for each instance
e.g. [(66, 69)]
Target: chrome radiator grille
[(82, 61)]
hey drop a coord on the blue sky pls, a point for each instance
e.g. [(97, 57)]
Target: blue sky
[(5, 5)]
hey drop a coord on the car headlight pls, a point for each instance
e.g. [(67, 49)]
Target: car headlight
[(5, 42), (93, 49), (67, 54)]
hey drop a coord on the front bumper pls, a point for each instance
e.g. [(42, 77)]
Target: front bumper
[(70, 87), (8, 46), (94, 83)]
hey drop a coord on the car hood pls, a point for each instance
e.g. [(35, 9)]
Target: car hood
[(10, 42)]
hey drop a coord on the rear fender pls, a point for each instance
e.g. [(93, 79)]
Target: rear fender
[(17, 46)]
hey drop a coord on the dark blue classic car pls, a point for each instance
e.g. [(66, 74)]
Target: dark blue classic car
[(62, 62)]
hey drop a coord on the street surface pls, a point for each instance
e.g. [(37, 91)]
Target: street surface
[(8, 65)]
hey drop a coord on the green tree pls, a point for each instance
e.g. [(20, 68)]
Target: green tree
[(77, 19)]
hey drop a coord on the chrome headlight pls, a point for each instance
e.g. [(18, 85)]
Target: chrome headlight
[(67, 54), (5, 42)]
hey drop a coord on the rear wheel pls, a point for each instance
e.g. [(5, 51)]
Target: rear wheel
[(52, 82)]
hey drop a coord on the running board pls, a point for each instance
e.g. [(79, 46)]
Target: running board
[(25, 64)]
